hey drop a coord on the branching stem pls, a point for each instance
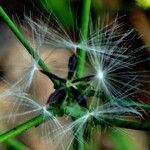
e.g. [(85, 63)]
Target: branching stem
[(25, 43), (73, 111), (76, 112)]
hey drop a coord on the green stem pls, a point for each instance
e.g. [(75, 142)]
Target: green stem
[(25, 42), (76, 112), (109, 121), (15, 145), (139, 105), (124, 123), (129, 103), (81, 54), (72, 111), (22, 128)]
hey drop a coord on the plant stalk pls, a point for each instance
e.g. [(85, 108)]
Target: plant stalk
[(16, 145), (22, 128), (72, 111), (81, 57), (25, 43), (81, 54)]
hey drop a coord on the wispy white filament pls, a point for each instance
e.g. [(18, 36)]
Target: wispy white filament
[(114, 65), (111, 64), (73, 128)]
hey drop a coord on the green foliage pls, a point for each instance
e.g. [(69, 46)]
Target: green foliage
[(145, 4), (56, 7)]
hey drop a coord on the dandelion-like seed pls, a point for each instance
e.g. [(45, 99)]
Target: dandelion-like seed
[(111, 77), (114, 64), (100, 75)]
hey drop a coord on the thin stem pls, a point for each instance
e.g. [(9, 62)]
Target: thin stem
[(22, 128), (124, 123), (139, 105), (110, 121), (76, 112), (72, 111), (14, 144), (81, 54), (25, 42)]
